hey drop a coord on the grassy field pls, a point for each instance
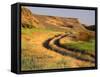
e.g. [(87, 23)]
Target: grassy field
[(88, 46), (36, 57), (37, 29), (85, 48)]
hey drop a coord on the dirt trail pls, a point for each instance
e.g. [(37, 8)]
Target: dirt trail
[(53, 44), (36, 48)]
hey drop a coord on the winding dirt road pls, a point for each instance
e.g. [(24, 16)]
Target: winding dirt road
[(53, 44)]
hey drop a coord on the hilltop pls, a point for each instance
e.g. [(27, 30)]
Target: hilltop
[(73, 25)]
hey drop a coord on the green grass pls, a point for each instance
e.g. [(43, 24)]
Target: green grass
[(82, 45), (26, 30), (31, 63), (30, 32)]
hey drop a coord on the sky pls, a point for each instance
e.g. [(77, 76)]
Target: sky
[(85, 16)]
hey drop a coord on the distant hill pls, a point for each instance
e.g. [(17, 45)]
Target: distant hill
[(31, 20), (41, 21), (91, 27)]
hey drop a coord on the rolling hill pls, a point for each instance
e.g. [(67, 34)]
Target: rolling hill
[(39, 21), (73, 25), (51, 42)]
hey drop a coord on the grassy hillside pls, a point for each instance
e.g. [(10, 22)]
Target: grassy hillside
[(37, 29)]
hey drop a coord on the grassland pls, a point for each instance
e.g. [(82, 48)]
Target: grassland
[(36, 57), (37, 29), (81, 45)]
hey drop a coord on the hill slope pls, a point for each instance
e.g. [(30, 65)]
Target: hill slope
[(39, 36), (30, 20)]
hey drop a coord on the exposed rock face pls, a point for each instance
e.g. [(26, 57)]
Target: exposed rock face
[(28, 20)]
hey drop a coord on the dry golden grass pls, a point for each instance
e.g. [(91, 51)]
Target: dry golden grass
[(36, 57)]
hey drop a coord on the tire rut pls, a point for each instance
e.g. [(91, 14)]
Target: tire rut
[(53, 44)]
